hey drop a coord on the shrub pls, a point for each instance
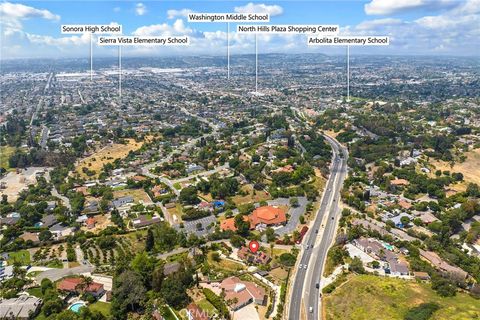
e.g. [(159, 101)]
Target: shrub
[(422, 312)]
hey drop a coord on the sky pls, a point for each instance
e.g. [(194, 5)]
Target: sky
[(31, 29)]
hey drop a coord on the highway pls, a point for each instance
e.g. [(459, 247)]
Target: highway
[(304, 293)]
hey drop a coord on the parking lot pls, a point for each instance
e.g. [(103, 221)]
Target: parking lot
[(191, 226)]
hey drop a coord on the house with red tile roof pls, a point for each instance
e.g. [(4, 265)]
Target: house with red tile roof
[(288, 168), (242, 293), (90, 223), (405, 204), (399, 182), (267, 216), (75, 285), (228, 224), (260, 218)]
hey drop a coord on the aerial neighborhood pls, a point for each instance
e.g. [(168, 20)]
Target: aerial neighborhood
[(188, 195)]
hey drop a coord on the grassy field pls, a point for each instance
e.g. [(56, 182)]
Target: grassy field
[(225, 264), (22, 256), (370, 297), (37, 292), (279, 274), (103, 307), (319, 181), (252, 197), (137, 194), (5, 153), (207, 306), (136, 239), (106, 155), (168, 314), (469, 168), (57, 264)]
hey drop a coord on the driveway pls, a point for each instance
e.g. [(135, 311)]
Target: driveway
[(56, 274), (246, 313)]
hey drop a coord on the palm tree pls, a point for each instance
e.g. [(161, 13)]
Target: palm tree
[(86, 282)]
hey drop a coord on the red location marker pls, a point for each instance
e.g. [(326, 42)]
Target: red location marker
[(253, 245)]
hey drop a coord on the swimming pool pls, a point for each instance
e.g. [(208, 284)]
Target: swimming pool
[(76, 306), (388, 246)]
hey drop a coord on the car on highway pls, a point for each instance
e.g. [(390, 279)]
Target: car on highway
[(310, 309), (317, 285), (316, 231)]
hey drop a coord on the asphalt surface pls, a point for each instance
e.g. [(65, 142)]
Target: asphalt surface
[(191, 226), (313, 259), (295, 213), (57, 274)]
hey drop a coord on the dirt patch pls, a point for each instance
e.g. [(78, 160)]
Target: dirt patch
[(253, 196), (469, 168), (14, 182), (279, 273), (105, 155), (139, 195), (101, 222)]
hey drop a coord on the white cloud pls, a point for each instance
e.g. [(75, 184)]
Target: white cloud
[(455, 31), (12, 15), (385, 7), (273, 10), (61, 43), (464, 18), (178, 28), (140, 9), (19, 11), (371, 24), (171, 14)]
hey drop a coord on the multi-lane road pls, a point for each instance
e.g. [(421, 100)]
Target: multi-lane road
[(305, 294)]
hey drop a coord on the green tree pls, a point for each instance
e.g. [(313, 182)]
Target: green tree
[(444, 287), (128, 294), (287, 259), (270, 234), (45, 285), (237, 241), (242, 225), (143, 265), (157, 278), (357, 266), (150, 241), (188, 195), (45, 235)]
